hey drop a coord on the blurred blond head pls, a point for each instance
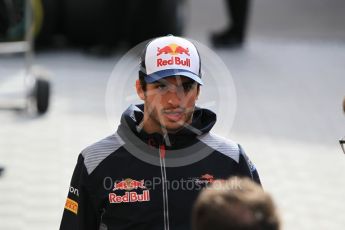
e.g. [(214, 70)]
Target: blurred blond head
[(235, 204)]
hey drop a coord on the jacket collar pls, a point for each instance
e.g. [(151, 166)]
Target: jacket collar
[(203, 121)]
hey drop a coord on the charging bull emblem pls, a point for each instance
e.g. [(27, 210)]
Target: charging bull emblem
[(172, 49)]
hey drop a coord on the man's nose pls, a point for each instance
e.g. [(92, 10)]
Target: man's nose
[(174, 98)]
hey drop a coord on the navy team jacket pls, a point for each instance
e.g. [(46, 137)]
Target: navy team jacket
[(134, 180)]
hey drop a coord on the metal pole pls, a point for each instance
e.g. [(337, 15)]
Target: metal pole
[(29, 29)]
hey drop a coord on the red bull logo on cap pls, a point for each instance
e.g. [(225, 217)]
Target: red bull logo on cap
[(129, 184), (173, 49)]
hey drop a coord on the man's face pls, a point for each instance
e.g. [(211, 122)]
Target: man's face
[(169, 104)]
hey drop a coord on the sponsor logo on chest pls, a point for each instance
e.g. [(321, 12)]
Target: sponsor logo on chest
[(129, 196)]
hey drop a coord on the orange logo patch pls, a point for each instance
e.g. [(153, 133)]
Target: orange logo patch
[(71, 205)]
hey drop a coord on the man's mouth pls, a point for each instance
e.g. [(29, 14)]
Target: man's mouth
[(173, 115)]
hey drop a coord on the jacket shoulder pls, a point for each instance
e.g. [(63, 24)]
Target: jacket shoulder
[(97, 152), (225, 146)]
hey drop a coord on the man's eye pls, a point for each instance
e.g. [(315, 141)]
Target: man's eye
[(188, 87), (162, 87)]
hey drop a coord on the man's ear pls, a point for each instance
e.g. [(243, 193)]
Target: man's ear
[(140, 90)]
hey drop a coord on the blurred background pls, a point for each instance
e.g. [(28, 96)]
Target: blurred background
[(288, 70)]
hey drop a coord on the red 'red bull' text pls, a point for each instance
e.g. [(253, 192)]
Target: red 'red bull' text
[(129, 197), (173, 61)]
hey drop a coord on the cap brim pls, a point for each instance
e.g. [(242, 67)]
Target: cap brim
[(150, 78)]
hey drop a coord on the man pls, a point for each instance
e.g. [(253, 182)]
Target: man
[(235, 204), (148, 174), (4, 20), (235, 31)]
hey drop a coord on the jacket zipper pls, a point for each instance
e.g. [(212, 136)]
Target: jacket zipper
[(164, 186), (102, 226)]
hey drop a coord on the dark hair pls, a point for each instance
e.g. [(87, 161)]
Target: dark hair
[(243, 206), (142, 81)]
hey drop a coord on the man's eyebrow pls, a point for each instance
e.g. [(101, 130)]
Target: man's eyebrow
[(189, 82), (160, 83), (167, 83)]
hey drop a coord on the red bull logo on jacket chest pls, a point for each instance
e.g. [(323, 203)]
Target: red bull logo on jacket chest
[(129, 196)]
